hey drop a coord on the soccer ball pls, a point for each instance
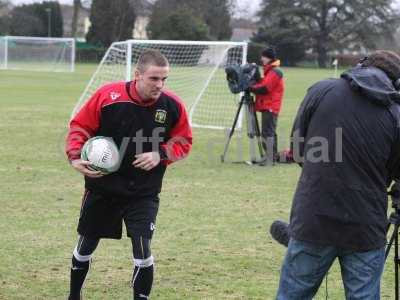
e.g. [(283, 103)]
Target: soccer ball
[(102, 153)]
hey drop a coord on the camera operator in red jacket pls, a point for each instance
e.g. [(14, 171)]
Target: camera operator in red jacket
[(269, 93)]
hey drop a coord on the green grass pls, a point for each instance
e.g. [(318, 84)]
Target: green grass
[(210, 241)]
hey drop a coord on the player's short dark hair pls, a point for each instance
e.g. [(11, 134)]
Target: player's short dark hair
[(151, 57), (387, 61)]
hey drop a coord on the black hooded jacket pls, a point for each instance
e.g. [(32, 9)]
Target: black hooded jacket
[(349, 154)]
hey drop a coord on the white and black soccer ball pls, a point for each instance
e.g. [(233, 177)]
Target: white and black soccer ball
[(102, 153)]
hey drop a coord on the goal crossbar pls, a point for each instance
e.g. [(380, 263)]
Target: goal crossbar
[(37, 53), (197, 75)]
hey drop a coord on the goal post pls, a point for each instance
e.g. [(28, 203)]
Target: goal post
[(197, 75), (37, 53), (3, 53)]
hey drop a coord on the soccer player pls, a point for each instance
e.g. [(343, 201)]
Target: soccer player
[(150, 125)]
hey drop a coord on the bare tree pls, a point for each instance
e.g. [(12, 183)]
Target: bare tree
[(75, 17), (4, 3), (111, 21), (326, 25)]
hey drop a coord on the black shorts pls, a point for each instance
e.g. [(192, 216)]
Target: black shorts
[(101, 216)]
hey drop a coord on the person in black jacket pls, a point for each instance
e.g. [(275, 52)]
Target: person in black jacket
[(346, 137)]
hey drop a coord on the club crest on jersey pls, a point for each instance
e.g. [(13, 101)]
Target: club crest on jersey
[(114, 95), (160, 116)]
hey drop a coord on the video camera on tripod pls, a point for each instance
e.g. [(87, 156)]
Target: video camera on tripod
[(280, 232), (395, 220), (240, 78), (395, 194)]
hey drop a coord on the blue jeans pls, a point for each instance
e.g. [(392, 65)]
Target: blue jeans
[(306, 264)]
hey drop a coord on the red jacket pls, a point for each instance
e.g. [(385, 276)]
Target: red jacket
[(269, 91)]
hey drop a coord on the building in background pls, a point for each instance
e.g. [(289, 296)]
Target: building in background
[(5, 10), (242, 29), (143, 12), (139, 30), (83, 21)]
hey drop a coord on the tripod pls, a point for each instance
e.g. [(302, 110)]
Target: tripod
[(253, 129), (395, 220)]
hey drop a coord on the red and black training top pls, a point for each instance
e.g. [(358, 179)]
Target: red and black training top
[(116, 110)]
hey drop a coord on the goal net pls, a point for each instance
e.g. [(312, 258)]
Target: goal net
[(197, 75), (37, 53)]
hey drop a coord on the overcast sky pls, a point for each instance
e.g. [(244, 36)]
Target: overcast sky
[(245, 6)]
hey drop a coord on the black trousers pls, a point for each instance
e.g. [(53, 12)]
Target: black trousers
[(269, 121)]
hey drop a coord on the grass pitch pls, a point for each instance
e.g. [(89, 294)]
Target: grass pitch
[(211, 240)]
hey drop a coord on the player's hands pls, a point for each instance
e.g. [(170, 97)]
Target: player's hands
[(146, 161), (82, 167)]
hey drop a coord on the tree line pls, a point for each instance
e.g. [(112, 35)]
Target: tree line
[(324, 26), (320, 27), (36, 19)]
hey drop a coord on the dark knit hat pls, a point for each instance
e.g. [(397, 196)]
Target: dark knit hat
[(269, 52)]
